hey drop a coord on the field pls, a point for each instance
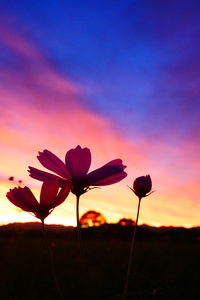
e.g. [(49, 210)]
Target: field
[(163, 269)]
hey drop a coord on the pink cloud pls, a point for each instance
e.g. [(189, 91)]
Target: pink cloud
[(14, 41)]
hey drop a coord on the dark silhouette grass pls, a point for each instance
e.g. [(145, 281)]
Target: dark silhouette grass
[(163, 269)]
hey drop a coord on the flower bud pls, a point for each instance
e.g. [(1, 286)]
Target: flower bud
[(142, 185)]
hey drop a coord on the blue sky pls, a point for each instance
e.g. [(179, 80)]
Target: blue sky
[(137, 58)]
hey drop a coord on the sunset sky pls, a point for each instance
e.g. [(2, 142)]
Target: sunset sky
[(119, 77)]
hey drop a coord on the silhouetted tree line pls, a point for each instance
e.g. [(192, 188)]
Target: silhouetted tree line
[(111, 232), (95, 227)]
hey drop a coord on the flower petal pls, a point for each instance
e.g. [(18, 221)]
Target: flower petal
[(110, 173), (110, 180), (62, 195), (53, 163), (23, 198), (116, 162), (78, 162), (43, 176), (48, 192)]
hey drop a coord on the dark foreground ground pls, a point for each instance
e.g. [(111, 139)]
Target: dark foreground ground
[(164, 268)]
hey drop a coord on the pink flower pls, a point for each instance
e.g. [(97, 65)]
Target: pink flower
[(49, 198), (142, 185), (75, 170)]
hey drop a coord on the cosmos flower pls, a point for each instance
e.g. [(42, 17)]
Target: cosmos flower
[(75, 170), (142, 186), (50, 197)]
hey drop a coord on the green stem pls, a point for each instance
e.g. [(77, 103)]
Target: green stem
[(52, 262), (131, 253)]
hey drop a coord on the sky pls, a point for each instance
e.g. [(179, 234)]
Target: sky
[(119, 77)]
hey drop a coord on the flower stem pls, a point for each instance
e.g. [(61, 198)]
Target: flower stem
[(78, 226), (131, 253), (52, 262)]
